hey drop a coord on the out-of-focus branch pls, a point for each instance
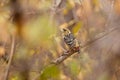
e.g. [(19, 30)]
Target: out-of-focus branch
[(10, 58), (116, 73)]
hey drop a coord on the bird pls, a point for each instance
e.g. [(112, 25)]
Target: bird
[(70, 40)]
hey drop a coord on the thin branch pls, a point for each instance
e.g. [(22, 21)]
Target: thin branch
[(64, 56), (99, 36), (10, 58)]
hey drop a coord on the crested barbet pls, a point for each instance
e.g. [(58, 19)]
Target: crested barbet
[(70, 40)]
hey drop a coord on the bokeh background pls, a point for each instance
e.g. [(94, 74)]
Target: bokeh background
[(36, 26)]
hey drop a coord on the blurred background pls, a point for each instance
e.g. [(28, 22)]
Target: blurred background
[(35, 26)]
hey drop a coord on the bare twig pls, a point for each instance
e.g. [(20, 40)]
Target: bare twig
[(10, 58), (64, 56), (67, 55)]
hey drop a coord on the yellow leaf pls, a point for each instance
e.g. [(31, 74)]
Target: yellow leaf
[(77, 27)]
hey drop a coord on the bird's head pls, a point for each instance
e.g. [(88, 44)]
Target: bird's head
[(65, 31)]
